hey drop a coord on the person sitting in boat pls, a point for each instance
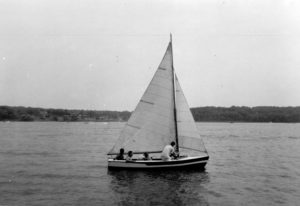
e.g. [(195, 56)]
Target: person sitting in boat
[(168, 152), (129, 156), (146, 156), (120, 156)]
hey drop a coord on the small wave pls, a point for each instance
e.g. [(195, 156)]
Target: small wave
[(293, 137), (232, 135), (21, 172), (285, 176), (97, 167), (30, 191), (250, 189), (215, 194), (270, 137), (50, 176)]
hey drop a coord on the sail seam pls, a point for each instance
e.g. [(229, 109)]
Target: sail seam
[(146, 102), (130, 125), (164, 97), (148, 114)]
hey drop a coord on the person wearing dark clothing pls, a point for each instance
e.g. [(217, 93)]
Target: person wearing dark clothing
[(120, 156), (146, 156)]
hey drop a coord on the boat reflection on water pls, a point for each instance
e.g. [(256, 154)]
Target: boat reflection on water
[(159, 187)]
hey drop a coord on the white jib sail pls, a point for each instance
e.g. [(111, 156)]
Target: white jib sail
[(151, 125), (188, 135)]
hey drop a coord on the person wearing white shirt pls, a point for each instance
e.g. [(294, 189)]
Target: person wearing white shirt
[(168, 151)]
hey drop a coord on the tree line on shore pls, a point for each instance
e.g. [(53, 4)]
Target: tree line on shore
[(201, 114), (8, 113), (247, 114)]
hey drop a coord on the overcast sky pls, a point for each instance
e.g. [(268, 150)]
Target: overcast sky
[(102, 54)]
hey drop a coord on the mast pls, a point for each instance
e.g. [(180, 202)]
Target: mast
[(174, 98)]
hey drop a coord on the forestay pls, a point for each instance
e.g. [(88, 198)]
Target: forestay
[(151, 125)]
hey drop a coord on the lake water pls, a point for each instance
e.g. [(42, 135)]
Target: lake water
[(54, 163)]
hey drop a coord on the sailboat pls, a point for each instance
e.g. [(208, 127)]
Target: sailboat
[(161, 116)]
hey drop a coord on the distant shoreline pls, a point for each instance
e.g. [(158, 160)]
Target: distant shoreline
[(232, 114)]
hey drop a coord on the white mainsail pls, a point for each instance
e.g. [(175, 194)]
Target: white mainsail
[(152, 124)]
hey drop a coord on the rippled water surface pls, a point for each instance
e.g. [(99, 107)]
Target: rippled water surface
[(50, 163)]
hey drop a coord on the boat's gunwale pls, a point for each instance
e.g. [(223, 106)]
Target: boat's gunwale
[(184, 159), (158, 164)]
